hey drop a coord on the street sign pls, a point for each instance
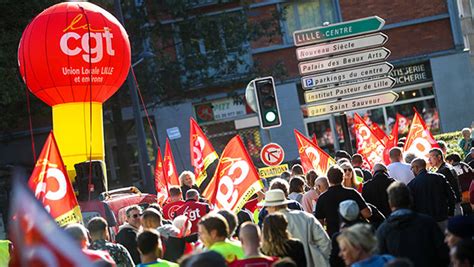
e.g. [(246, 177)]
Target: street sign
[(338, 31), (353, 103), (349, 90), (318, 80), (273, 171), (272, 154), (173, 133), (342, 46), (343, 61)]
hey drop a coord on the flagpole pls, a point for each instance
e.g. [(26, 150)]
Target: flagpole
[(345, 132)]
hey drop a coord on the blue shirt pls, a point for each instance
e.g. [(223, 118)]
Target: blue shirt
[(374, 261)]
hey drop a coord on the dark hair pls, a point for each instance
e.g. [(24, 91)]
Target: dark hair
[(296, 185), (343, 154), (204, 259), (147, 241), (155, 206), (297, 169), (275, 234), (437, 152), (395, 152), (285, 175), (399, 262), (357, 159), (311, 177), (281, 184), (97, 225), (455, 157), (335, 174), (399, 195), (175, 191), (131, 208), (442, 144), (284, 262), (231, 220), (215, 222)]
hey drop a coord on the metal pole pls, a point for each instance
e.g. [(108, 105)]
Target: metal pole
[(345, 131), (143, 159), (269, 136)]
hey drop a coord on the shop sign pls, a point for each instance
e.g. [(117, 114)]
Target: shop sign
[(412, 74), (221, 109)]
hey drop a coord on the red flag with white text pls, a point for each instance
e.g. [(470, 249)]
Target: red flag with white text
[(379, 133), (202, 152), (169, 167), (36, 237), (368, 145), (235, 179), (161, 184), (52, 187), (419, 140), (312, 157)]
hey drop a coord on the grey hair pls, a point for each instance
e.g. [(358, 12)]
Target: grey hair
[(359, 236)]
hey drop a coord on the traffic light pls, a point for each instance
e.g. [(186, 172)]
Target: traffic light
[(267, 103)]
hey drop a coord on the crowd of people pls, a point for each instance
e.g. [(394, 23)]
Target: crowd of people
[(412, 212)]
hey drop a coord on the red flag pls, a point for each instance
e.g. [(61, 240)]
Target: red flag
[(161, 185), (315, 141), (312, 157), (379, 133), (419, 140), (403, 124), (52, 187), (169, 167), (368, 145), (202, 152), (37, 239), (391, 142), (235, 179)]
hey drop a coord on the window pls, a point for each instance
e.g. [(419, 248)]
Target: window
[(212, 48), (307, 14)]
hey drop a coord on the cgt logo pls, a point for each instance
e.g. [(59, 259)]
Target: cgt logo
[(227, 193), (198, 149), (73, 44)]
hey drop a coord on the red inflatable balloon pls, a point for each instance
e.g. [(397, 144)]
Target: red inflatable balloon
[(71, 47)]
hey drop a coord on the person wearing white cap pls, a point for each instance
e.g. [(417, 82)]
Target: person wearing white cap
[(302, 226)]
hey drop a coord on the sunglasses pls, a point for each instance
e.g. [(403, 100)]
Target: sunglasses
[(136, 215), (347, 170)]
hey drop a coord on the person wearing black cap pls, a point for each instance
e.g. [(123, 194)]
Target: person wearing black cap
[(459, 228)]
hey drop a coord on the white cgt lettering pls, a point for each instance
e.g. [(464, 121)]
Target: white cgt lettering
[(198, 148), (58, 175), (229, 199), (97, 51), (315, 159)]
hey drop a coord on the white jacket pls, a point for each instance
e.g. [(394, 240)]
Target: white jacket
[(316, 242)]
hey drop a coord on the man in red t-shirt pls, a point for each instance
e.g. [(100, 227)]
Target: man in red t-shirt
[(193, 209), (249, 236), (176, 201)]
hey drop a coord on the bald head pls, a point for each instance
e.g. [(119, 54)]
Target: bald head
[(249, 235), (418, 165)]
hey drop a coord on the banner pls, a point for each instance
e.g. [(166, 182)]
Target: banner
[(379, 133), (368, 145), (312, 157), (161, 185), (391, 142), (52, 187), (314, 139), (37, 239), (419, 140), (235, 179), (202, 152), (169, 168), (403, 124)]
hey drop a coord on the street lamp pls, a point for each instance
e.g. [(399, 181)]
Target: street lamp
[(143, 160)]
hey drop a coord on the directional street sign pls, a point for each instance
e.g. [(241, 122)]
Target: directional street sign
[(343, 61), (349, 90), (338, 31), (272, 154), (353, 103), (342, 46), (319, 80)]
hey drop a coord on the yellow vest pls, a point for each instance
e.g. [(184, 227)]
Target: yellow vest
[(4, 252)]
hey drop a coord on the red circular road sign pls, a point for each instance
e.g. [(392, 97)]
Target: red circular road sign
[(272, 154)]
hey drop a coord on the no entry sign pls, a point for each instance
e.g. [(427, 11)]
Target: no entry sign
[(272, 154)]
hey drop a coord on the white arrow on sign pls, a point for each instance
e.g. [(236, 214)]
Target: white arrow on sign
[(319, 80), (343, 61), (349, 90), (339, 47), (353, 103)]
